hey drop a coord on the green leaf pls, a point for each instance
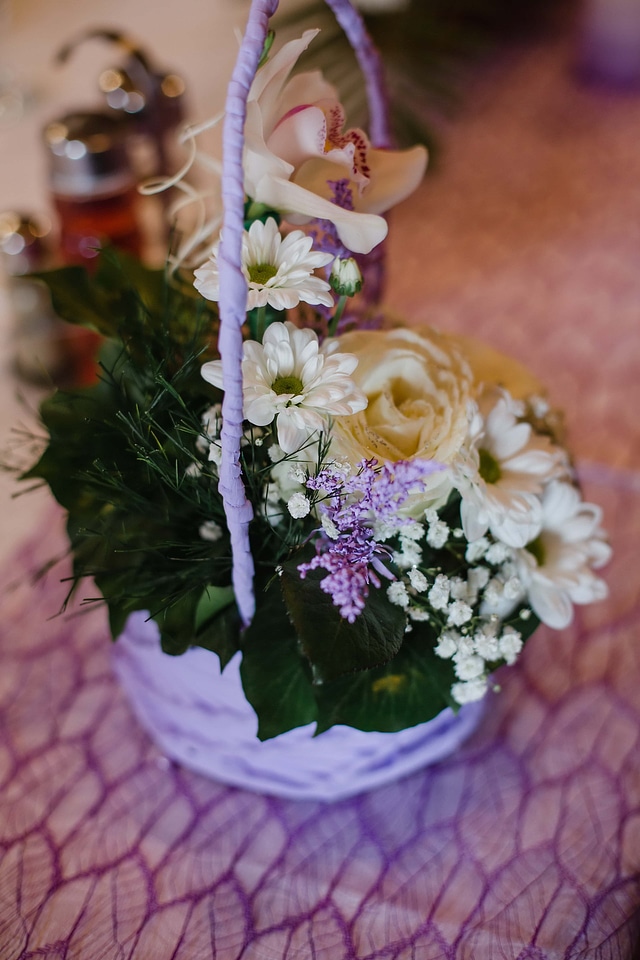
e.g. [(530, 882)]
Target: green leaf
[(275, 677), (218, 623), (334, 646), (76, 298), (404, 692)]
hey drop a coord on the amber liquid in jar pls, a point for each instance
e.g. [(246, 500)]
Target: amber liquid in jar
[(93, 191), (87, 224)]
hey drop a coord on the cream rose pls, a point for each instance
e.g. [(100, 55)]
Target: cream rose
[(419, 387)]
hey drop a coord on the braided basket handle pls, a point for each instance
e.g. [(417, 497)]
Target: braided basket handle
[(233, 285)]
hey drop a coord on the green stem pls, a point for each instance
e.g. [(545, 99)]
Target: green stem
[(261, 317), (335, 320)]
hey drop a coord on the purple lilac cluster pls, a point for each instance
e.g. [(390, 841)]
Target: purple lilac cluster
[(355, 508)]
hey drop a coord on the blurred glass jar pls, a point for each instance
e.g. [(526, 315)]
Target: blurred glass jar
[(93, 187), (37, 336)]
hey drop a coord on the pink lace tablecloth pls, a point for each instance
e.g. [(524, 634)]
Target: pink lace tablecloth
[(526, 843)]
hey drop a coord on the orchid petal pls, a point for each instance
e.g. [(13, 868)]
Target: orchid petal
[(269, 80), (359, 232), (393, 175)]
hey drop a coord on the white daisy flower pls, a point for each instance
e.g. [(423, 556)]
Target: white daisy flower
[(503, 474), (279, 270), (557, 567), (289, 377)]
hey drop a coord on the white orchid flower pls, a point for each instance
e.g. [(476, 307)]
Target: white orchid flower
[(295, 147)]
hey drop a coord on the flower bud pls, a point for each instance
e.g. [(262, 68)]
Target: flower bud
[(345, 278)]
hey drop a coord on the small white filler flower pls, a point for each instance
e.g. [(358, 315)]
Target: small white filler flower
[(279, 270), (291, 378)]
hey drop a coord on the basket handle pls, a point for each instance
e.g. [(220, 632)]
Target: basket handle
[(233, 286)]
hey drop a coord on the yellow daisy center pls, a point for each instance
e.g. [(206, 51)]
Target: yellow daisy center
[(287, 385), (261, 272)]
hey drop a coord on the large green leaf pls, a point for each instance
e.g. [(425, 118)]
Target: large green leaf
[(218, 623), (334, 646), (275, 678), (404, 692)]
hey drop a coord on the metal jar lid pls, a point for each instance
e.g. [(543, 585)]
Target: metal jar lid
[(87, 155)]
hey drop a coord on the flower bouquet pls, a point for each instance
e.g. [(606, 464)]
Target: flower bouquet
[(363, 521)]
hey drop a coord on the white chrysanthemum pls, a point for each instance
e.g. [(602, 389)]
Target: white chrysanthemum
[(289, 376), (557, 568), (503, 474), (279, 270)]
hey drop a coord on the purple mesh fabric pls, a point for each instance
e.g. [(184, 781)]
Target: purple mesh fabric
[(524, 844)]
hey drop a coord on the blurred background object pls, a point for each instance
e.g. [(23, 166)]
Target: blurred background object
[(12, 95), (149, 100), (430, 50), (610, 49), (92, 184)]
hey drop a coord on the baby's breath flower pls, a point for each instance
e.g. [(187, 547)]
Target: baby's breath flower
[(210, 530), (439, 593), (469, 667), (409, 555), (485, 643), (419, 614), (469, 691), (510, 644), (512, 589), (476, 549), (458, 588), (437, 534), (418, 580), (447, 645), (478, 578), (412, 531), (497, 553), (397, 594), (493, 592), (298, 506), (459, 612)]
